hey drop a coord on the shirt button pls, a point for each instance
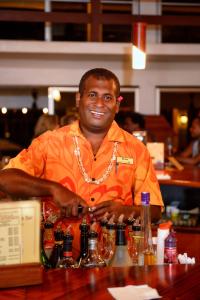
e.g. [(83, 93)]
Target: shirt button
[(92, 199)]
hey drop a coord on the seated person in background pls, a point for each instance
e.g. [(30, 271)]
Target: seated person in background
[(69, 118), (44, 123), (133, 121), (77, 164), (191, 155)]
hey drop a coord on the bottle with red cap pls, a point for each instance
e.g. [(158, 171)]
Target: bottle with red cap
[(162, 233)]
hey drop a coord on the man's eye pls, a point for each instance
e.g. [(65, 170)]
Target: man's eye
[(108, 97), (92, 95)]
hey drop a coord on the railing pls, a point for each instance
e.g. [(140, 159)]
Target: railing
[(96, 18)]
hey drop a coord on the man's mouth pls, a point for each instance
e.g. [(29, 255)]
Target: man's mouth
[(97, 114)]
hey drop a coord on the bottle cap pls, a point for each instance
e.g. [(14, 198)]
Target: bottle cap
[(58, 234), (136, 228), (145, 198), (110, 225), (48, 225), (166, 225), (93, 234)]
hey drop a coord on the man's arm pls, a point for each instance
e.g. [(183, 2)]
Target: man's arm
[(18, 184)]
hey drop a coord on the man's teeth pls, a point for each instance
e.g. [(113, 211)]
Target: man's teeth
[(97, 113)]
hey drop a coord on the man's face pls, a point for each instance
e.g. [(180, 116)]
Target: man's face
[(195, 129), (98, 104)]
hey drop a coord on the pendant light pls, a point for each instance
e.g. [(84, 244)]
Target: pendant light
[(139, 46)]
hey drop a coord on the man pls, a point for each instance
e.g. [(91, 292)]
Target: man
[(191, 155), (91, 162)]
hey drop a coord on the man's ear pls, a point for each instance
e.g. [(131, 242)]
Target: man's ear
[(78, 97)]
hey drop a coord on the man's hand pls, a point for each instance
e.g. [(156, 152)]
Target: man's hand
[(69, 200), (111, 207)]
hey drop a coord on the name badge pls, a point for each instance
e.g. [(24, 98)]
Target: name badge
[(124, 160)]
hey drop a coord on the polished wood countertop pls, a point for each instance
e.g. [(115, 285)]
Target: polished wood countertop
[(171, 281), (189, 177)]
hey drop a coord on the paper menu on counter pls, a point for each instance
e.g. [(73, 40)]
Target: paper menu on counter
[(19, 232), (157, 154)]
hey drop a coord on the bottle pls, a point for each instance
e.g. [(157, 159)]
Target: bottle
[(129, 232), (48, 238), (84, 230), (43, 257), (121, 257), (102, 237), (93, 258), (110, 242), (56, 254), (162, 233), (146, 253), (136, 240), (170, 251), (67, 261)]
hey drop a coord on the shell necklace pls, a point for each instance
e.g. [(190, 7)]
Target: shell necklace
[(88, 179)]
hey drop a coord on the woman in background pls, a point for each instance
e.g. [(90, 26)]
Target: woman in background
[(44, 123)]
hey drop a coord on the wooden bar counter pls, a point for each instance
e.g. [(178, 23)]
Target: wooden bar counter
[(171, 281), (188, 177)]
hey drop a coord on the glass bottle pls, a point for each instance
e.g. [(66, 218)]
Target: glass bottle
[(57, 252), (84, 230), (102, 237), (129, 232), (48, 238), (121, 257), (43, 257), (110, 242), (170, 250), (93, 258), (67, 261), (136, 241), (146, 253)]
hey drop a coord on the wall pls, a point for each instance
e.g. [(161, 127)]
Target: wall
[(43, 64)]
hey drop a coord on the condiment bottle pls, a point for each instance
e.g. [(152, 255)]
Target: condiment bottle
[(170, 252), (162, 233)]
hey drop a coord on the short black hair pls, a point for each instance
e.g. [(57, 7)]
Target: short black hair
[(136, 118), (99, 73)]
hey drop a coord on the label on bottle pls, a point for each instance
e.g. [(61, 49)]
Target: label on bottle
[(67, 253), (170, 255)]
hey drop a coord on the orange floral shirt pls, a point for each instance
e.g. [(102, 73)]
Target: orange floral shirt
[(52, 156)]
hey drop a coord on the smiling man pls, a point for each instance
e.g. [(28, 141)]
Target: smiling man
[(91, 162)]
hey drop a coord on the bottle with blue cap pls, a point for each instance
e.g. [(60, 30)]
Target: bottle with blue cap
[(146, 253)]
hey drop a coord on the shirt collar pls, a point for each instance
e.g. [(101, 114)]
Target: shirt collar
[(115, 133)]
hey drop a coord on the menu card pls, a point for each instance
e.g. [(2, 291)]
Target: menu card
[(157, 154), (19, 232)]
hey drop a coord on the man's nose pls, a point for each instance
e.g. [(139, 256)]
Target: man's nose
[(99, 101)]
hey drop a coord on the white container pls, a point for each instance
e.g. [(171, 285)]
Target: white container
[(162, 233)]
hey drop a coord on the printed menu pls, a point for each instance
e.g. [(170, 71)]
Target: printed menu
[(19, 232)]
